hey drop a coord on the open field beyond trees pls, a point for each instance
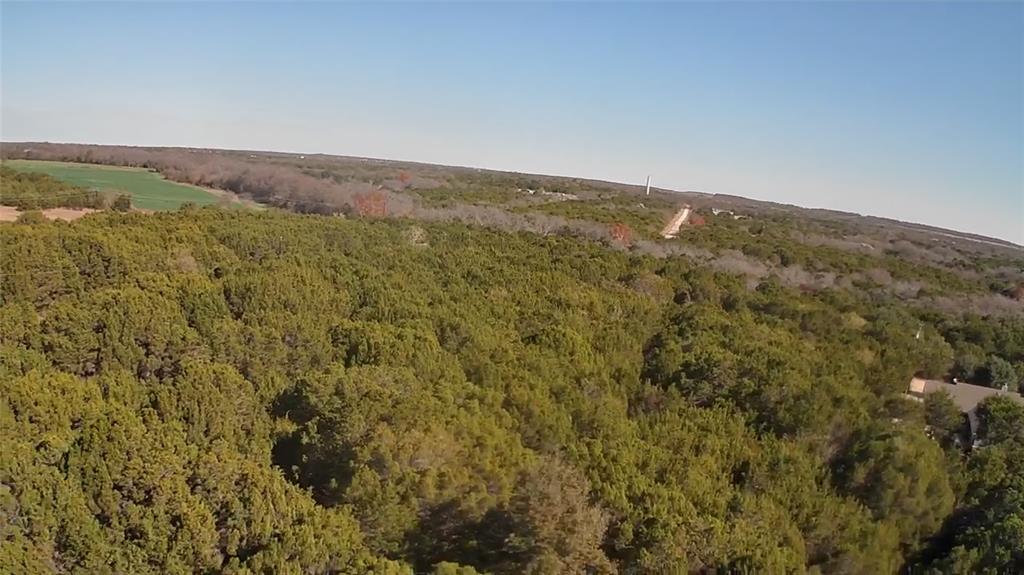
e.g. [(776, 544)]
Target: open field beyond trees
[(148, 190)]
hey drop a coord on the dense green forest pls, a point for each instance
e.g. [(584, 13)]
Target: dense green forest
[(950, 271), (240, 392)]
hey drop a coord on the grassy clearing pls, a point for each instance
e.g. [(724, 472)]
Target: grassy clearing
[(149, 190)]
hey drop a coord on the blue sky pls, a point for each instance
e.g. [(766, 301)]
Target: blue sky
[(912, 110)]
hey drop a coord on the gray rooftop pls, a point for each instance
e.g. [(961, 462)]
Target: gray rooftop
[(965, 395)]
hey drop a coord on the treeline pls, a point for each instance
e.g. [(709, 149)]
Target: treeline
[(813, 249), (987, 351), (27, 191), (268, 392), (270, 183)]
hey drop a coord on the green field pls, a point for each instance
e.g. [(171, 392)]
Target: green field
[(149, 190)]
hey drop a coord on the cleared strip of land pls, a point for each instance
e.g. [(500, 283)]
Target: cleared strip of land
[(10, 214)]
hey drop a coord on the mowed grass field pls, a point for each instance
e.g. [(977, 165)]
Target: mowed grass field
[(149, 190)]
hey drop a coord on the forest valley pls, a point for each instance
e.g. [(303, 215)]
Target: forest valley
[(234, 391)]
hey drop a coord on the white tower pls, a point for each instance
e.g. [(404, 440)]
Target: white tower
[(648, 186)]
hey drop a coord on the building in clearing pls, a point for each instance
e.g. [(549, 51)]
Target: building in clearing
[(964, 395)]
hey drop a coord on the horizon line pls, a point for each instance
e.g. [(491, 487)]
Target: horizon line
[(965, 235)]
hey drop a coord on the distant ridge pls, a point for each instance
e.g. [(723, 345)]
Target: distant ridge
[(697, 198)]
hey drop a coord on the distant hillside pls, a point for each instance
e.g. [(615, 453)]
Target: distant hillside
[(236, 167), (812, 248)]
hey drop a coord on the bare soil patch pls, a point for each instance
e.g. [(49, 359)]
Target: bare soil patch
[(10, 214)]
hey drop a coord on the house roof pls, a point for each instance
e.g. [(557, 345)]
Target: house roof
[(965, 395)]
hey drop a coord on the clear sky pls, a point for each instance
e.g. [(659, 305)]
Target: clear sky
[(912, 110)]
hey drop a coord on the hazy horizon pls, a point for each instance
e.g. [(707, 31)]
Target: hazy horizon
[(913, 112)]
